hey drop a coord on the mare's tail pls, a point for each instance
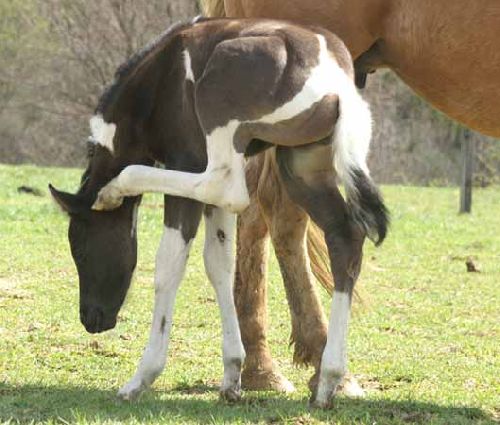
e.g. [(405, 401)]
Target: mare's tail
[(351, 144), (213, 8)]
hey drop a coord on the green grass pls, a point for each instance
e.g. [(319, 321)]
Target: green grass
[(425, 344)]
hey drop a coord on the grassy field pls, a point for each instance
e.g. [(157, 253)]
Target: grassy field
[(425, 345)]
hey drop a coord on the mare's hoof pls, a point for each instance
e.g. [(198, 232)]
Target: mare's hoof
[(265, 380), (313, 384), (231, 395)]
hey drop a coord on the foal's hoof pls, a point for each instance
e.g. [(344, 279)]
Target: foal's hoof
[(131, 391), (265, 380), (108, 198), (231, 395), (323, 400), (349, 386), (321, 404)]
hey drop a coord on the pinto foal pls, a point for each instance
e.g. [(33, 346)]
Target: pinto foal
[(200, 99)]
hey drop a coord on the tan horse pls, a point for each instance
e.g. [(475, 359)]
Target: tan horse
[(447, 51)]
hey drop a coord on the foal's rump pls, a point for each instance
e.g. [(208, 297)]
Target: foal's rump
[(276, 82), (293, 86)]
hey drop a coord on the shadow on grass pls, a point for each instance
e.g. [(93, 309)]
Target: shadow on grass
[(197, 404)]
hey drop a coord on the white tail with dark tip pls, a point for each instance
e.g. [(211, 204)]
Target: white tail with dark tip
[(352, 136)]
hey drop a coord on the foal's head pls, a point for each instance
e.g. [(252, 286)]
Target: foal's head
[(103, 244)]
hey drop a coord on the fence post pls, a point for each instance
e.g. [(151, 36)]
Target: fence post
[(466, 173)]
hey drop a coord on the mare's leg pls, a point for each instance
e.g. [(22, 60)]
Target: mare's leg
[(182, 217), (309, 178), (220, 227), (288, 226), (250, 291)]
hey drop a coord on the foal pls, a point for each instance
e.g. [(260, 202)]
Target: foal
[(200, 99)]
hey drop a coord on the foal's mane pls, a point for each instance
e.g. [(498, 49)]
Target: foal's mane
[(133, 64), (122, 76)]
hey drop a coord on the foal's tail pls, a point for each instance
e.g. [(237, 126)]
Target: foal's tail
[(351, 142)]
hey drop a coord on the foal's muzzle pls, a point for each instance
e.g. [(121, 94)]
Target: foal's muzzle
[(95, 321)]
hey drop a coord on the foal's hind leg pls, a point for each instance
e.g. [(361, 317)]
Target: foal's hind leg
[(220, 227), (182, 217), (310, 180)]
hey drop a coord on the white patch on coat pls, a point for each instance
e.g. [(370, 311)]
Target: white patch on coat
[(225, 173), (353, 130), (102, 132), (322, 81), (188, 66), (334, 359), (171, 261)]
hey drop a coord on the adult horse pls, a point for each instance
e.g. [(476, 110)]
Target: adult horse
[(193, 101), (447, 51)]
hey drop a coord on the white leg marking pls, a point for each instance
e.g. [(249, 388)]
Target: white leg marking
[(102, 132), (220, 229), (187, 66), (222, 183), (170, 266), (334, 359)]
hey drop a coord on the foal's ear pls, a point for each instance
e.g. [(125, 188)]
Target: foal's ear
[(68, 202)]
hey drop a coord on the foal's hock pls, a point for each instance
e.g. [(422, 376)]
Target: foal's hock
[(199, 99)]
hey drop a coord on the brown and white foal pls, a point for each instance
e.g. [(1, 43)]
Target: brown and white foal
[(199, 99)]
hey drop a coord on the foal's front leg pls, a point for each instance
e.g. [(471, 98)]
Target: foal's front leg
[(220, 228), (182, 217), (221, 184)]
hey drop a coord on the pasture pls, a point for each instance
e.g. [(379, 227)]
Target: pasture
[(424, 344)]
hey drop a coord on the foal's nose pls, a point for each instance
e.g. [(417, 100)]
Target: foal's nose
[(92, 318), (96, 320)]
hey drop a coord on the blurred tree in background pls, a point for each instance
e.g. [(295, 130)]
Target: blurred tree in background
[(56, 56), (59, 56), (415, 144)]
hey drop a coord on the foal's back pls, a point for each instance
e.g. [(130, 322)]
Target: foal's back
[(259, 74)]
